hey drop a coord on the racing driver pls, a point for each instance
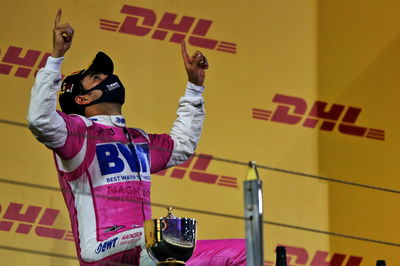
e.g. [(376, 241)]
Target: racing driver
[(103, 166)]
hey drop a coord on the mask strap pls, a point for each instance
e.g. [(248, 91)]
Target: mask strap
[(129, 137), (139, 163)]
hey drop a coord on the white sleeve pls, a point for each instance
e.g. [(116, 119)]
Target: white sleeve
[(187, 127), (44, 122)]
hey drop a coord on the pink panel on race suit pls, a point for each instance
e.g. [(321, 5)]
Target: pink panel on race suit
[(222, 252)]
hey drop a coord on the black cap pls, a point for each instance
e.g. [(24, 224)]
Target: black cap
[(102, 63), (71, 86)]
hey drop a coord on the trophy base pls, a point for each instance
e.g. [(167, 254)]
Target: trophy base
[(171, 262)]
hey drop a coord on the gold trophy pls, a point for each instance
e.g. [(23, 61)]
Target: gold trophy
[(170, 240)]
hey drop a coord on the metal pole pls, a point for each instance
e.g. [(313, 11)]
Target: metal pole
[(253, 211)]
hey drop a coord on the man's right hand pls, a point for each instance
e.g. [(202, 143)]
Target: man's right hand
[(62, 37)]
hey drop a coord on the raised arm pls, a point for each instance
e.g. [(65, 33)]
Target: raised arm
[(44, 122), (187, 127)]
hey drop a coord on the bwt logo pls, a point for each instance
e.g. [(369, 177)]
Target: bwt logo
[(197, 172), (142, 21), (26, 220), (106, 245), (110, 158), (300, 256), (25, 62), (293, 110)]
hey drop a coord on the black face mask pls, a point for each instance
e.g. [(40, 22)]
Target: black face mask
[(112, 88), (112, 91)]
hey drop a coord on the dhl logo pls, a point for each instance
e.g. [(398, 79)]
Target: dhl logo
[(296, 256), (143, 21), (25, 62), (198, 173), (24, 221), (294, 110)]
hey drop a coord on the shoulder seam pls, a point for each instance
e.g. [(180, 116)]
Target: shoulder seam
[(87, 121), (142, 132)]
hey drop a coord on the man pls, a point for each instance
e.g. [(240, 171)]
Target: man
[(104, 167)]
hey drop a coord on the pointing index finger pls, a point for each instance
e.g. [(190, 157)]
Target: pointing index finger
[(185, 55), (58, 18)]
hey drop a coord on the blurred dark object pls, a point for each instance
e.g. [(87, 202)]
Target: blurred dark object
[(281, 256)]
